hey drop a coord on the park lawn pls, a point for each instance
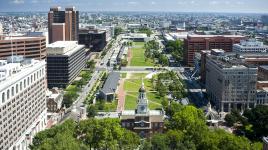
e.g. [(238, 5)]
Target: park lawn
[(132, 98), (123, 75), (131, 101), (138, 58), (110, 106), (137, 75), (132, 86)]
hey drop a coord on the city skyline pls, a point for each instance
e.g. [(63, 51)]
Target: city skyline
[(241, 6)]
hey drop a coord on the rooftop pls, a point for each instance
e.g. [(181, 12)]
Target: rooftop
[(229, 60), (111, 83), (211, 36), (17, 37), (12, 72), (265, 67), (63, 48)]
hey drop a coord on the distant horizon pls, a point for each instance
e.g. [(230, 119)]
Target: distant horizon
[(130, 11), (211, 6)]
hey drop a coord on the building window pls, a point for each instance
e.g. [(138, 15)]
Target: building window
[(20, 86), (34, 77), (24, 83), (12, 91), (8, 92), (17, 88), (3, 97), (28, 81), (31, 78)]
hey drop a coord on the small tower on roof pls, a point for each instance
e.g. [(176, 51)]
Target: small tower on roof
[(142, 107)]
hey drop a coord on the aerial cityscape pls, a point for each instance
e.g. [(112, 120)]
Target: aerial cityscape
[(133, 75)]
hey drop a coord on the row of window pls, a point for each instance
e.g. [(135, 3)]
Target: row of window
[(6, 95)]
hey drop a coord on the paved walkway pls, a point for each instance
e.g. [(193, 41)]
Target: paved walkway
[(129, 56), (121, 96)]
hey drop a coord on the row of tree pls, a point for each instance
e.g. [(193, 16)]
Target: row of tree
[(87, 134), (253, 123), (146, 30), (187, 130), (71, 94), (176, 49), (152, 51), (169, 83)]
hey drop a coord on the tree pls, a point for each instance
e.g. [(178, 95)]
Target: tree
[(87, 134), (59, 138), (176, 49), (258, 117), (69, 97), (117, 31), (124, 62), (91, 111), (146, 30), (230, 120), (159, 142), (163, 60), (90, 64)]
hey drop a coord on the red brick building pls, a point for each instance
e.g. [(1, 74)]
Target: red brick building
[(196, 43), (63, 25), (143, 121)]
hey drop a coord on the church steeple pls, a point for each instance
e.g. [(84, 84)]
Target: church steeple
[(142, 106)]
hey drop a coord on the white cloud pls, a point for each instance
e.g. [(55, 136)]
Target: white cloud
[(133, 3), (35, 1), (153, 3), (219, 3), (240, 3), (214, 2), (41, 1), (17, 1), (182, 3)]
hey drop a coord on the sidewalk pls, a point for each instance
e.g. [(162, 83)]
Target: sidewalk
[(121, 96)]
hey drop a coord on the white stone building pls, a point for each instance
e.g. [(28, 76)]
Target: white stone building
[(23, 109), (250, 46), (230, 83)]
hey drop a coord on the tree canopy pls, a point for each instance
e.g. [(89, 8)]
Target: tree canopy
[(87, 134), (187, 130)]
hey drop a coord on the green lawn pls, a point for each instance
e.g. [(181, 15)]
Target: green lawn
[(131, 87), (123, 75), (110, 106), (72, 88), (132, 97), (138, 58)]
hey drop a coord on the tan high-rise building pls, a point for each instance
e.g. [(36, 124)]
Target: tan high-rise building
[(63, 25), (29, 47)]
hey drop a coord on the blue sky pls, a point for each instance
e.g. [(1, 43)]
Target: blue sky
[(255, 6)]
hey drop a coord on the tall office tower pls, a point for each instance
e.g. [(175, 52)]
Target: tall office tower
[(29, 47), (63, 25), (23, 109), (230, 83), (65, 60), (196, 43), (93, 39)]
